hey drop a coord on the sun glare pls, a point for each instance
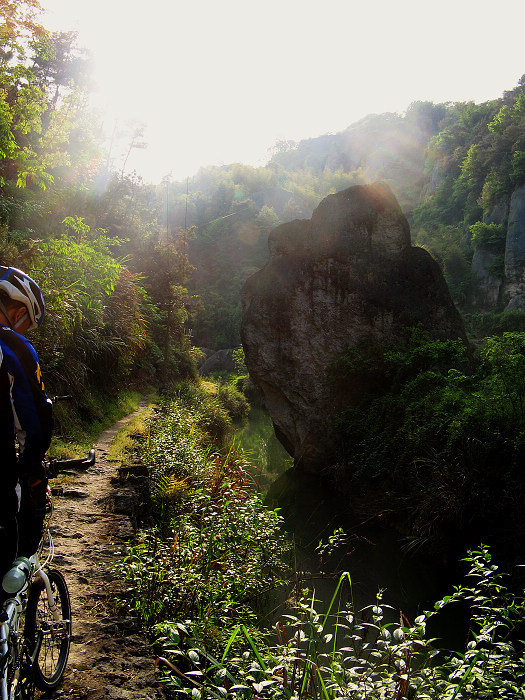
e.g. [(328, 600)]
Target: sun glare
[(222, 82)]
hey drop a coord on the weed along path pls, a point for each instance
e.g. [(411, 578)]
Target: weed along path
[(110, 657)]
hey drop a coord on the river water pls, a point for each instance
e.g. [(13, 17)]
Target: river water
[(375, 555)]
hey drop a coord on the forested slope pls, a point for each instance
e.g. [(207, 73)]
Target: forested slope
[(453, 168), (132, 271), (78, 225)]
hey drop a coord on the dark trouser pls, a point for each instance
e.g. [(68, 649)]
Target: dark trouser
[(31, 518), (20, 533), (8, 544)]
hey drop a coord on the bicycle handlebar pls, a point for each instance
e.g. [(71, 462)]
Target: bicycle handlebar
[(55, 466)]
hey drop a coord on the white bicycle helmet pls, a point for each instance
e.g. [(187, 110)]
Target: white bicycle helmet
[(21, 287)]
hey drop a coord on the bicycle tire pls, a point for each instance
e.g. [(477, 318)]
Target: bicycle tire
[(40, 627)]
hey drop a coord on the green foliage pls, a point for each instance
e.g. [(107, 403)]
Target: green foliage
[(504, 359), (166, 269), (459, 276), (517, 173), (79, 422), (434, 434), (481, 325), (475, 162), (497, 125), (239, 361), (472, 167), (491, 236), (94, 321), (233, 401), (448, 245), (41, 83), (494, 190), (95, 327), (365, 653), (216, 549)]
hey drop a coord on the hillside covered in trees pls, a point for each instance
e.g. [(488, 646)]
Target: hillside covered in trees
[(136, 274), (453, 168)]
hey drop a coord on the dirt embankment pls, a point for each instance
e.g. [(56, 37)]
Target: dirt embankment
[(110, 657)]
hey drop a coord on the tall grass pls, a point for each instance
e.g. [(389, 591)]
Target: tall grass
[(79, 422)]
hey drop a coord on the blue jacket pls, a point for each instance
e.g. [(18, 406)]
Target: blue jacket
[(25, 412)]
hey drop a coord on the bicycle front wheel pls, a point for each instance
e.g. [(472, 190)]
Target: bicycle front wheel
[(44, 629)]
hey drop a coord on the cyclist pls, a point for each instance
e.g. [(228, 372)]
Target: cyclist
[(25, 418)]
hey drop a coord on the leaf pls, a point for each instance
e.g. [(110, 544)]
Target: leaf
[(255, 650)]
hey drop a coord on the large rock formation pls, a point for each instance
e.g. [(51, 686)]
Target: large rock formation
[(218, 361), (347, 275)]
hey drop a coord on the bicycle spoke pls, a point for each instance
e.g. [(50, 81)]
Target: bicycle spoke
[(51, 635)]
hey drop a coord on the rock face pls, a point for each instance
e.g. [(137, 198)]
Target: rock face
[(219, 361), (515, 251), (489, 284), (347, 275)]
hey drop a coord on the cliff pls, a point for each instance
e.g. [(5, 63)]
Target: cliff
[(515, 251)]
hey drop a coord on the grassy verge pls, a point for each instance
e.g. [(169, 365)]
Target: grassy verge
[(79, 422), (364, 654)]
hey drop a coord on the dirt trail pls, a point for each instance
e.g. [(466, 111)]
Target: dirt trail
[(110, 657)]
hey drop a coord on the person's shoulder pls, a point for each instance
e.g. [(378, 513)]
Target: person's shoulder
[(17, 344)]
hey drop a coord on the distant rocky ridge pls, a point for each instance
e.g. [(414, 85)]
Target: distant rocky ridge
[(347, 275)]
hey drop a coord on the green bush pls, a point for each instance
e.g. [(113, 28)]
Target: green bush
[(233, 401), (441, 441), (366, 654), (491, 236), (216, 550), (481, 325)]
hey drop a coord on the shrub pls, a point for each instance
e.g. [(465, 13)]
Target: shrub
[(216, 550), (442, 439), (367, 654), (490, 236), (481, 325), (233, 401)]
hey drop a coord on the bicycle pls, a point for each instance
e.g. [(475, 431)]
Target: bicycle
[(35, 622)]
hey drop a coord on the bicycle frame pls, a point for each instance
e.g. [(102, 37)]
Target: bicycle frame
[(10, 642), (11, 637), (10, 627)]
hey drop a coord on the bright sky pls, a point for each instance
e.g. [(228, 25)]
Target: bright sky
[(220, 81)]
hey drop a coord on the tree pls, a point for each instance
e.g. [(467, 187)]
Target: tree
[(42, 75), (136, 141), (167, 269), (94, 319)]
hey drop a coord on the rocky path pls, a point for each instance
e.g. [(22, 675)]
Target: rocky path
[(110, 657)]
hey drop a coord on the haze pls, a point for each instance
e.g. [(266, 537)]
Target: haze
[(221, 82)]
